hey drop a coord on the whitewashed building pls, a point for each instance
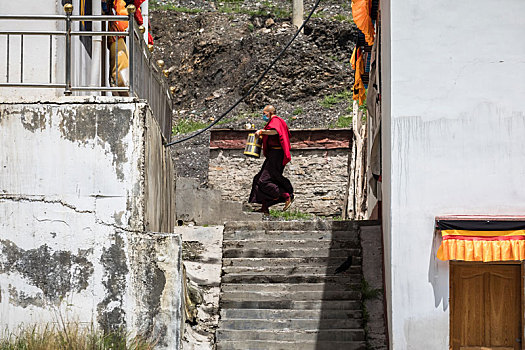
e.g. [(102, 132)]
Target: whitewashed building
[(453, 148)]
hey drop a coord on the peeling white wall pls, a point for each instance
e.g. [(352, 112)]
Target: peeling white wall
[(455, 119), (73, 227)]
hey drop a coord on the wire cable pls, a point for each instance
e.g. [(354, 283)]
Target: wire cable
[(254, 85)]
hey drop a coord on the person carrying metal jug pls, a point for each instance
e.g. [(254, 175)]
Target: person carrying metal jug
[(269, 186)]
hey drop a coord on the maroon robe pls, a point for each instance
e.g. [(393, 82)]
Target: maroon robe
[(269, 186)]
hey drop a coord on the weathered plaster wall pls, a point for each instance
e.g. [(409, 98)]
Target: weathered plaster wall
[(457, 122), (318, 169), (75, 209)]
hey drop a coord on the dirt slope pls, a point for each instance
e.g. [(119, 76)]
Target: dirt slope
[(214, 57)]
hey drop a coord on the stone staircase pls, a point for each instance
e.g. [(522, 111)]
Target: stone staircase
[(279, 288)]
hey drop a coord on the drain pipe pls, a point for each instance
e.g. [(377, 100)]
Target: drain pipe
[(96, 58)]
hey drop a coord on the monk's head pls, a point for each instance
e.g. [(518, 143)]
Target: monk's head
[(269, 111)]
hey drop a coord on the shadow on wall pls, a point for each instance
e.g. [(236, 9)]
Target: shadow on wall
[(438, 274)]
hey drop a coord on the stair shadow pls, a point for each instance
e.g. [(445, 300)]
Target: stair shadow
[(341, 314)]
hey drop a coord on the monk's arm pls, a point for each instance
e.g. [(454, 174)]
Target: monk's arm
[(266, 132)]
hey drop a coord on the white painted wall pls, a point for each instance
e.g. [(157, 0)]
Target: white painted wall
[(76, 212), (454, 142)]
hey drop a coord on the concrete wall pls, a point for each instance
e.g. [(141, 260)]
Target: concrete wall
[(456, 145), (318, 169), (78, 203)]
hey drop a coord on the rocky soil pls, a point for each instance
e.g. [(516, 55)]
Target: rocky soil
[(215, 51)]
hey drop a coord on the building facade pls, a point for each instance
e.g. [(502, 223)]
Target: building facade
[(453, 120)]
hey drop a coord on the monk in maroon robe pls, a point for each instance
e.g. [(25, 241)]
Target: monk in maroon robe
[(269, 185)]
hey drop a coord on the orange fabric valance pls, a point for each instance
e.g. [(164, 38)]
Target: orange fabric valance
[(481, 240), (361, 15)]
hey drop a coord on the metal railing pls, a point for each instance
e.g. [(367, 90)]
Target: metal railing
[(145, 80)]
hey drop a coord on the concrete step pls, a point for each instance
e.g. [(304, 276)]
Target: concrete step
[(349, 305), (341, 279), (268, 314), (319, 225), (293, 270), (289, 253), (270, 235), (281, 345), (230, 210), (291, 244), (288, 287), (295, 296), (244, 324), (319, 261), (297, 335)]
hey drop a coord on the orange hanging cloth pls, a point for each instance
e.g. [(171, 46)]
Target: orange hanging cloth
[(359, 66), (361, 15)]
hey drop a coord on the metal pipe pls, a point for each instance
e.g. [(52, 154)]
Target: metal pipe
[(7, 72), (69, 9), (21, 58), (116, 61), (99, 88), (96, 45), (131, 31), (100, 18), (33, 17), (33, 85), (50, 58), (29, 32), (101, 33)]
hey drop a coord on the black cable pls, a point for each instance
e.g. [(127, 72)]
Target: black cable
[(254, 85)]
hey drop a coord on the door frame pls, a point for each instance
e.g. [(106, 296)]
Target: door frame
[(454, 263)]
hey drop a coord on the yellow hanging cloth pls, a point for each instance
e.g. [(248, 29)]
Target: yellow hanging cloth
[(359, 66)]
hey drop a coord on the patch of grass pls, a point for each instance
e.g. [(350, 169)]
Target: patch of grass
[(235, 7), (155, 5), (297, 111), (344, 121), (343, 18), (290, 214), (330, 100), (318, 15), (184, 126), (70, 336)]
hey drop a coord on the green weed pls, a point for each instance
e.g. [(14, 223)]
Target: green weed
[(70, 336), (328, 101), (155, 5), (290, 214), (184, 126), (344, 121), (297, 111), (343, 18)]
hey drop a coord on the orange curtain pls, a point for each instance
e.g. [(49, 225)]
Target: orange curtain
[(483, 246), (361, 14)]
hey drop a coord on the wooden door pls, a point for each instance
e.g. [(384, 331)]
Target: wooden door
[(485, 301)]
